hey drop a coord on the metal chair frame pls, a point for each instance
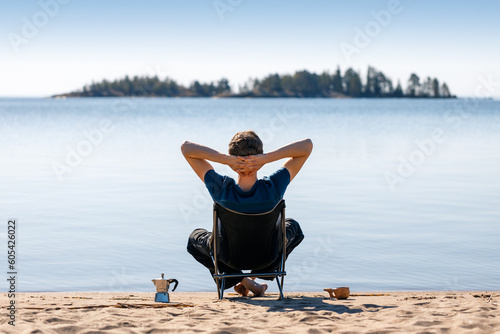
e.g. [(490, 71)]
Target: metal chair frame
[(278, 274)]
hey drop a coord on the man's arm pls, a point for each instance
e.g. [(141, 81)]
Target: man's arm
[(298, 152), (197, 156)]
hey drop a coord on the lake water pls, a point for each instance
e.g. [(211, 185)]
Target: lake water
[(397, 195)]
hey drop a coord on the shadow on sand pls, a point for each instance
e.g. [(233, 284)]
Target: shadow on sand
[(303, 303)]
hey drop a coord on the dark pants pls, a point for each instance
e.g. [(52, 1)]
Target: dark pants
[(200, 248)]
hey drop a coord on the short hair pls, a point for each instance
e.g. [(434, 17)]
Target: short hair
[(245, 143)]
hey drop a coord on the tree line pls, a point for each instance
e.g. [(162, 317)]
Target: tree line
[(300, 84)]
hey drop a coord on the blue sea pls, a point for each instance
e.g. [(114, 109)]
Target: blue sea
[(398, 194)]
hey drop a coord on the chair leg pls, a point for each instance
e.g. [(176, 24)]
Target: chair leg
[(280, 287), (221, 295), (217, 281)]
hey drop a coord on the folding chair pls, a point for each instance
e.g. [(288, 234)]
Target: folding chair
[(249, 242)]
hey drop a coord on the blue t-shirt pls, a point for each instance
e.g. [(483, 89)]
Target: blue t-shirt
[(263, 197)]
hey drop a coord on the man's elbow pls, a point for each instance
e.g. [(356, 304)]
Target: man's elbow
[(185, 147), (308, 145)]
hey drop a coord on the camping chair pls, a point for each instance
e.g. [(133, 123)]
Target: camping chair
[(249, 242)]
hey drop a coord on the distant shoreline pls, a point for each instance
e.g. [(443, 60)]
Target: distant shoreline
[(302, 84), (64, 96)]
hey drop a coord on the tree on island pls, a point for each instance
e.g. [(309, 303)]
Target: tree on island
[(445, 91), (301, 84), (414, 87), (337, 82), (352, 83), (399, 91)]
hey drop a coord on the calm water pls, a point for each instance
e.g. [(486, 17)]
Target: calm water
[(397, 195)]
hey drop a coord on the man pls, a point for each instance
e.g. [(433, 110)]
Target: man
[(248, 194)]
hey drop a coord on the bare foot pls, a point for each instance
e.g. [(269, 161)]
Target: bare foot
[(240, 289), (257, 289), (263, 288)]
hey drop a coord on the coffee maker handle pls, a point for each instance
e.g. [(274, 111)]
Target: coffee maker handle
[(173, 281)]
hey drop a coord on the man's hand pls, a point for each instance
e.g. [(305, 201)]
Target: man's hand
[(245, 165), (237, 164), (254, 162)]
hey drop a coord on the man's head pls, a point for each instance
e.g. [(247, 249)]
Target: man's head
[(245, 143)]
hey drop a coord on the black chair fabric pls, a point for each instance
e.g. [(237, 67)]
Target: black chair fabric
[(249, 241)]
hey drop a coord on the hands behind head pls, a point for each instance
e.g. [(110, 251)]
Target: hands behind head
[(247, 165)]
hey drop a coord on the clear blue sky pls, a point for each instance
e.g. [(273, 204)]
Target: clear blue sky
[(81, 41)]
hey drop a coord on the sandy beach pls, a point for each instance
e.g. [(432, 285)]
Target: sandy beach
[(300, 312)]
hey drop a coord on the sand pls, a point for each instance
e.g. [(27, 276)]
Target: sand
[(301, 312)]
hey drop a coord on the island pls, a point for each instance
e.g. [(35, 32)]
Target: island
[(301, 84)]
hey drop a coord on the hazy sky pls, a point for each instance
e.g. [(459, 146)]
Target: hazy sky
[(55, 46)]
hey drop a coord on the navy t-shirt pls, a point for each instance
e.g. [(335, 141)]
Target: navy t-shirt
[(263, 197)]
